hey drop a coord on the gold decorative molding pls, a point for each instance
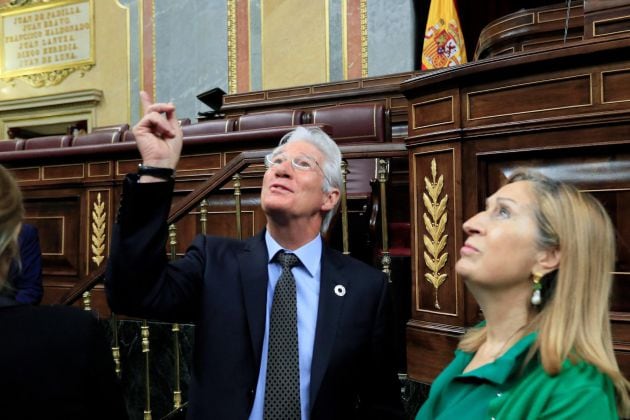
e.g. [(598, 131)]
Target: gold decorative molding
[(435, 224), (364, 38), (20, 3), (51, 78), (231, 35), (99, 225)]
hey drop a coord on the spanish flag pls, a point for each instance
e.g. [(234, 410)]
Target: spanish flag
[(443, 41)]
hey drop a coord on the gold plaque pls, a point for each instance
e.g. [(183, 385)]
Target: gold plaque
[(44, 42)]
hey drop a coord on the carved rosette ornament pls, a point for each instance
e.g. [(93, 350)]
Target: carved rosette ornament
[(435, 219), (99, 225)]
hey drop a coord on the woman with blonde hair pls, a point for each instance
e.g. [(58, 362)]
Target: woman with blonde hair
[(538, 260), (54, 361)]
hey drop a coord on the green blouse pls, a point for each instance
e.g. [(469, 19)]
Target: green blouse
[(497, 391)]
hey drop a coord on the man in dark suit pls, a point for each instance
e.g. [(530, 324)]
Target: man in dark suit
[(25, 276), (226, 286)]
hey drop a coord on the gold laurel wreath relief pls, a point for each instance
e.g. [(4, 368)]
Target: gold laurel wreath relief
[(98, 230), (435, 224)]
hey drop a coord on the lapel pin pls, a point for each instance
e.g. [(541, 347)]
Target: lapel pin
[(340, 290)]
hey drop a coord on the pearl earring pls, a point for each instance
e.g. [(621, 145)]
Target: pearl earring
[(536, 296)]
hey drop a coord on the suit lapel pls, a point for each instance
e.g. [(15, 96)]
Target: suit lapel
[(329, 310), (253, 263)]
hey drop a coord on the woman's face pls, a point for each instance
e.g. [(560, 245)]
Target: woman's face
[(500, 249)]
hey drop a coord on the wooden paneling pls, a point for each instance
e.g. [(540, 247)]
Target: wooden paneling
[(521, 100), (526, 28), (99, 169), (62, 172), (432, 112), (606, 17), (615, 85), (58, 219), (430, 353), (72, 199), (564, 112), (611, 26)]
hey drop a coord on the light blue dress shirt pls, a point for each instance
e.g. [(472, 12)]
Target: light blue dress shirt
[(307, 282)]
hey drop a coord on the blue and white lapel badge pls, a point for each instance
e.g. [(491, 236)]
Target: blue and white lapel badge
[(340, 290)]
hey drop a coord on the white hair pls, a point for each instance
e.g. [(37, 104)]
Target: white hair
[(331, 166)]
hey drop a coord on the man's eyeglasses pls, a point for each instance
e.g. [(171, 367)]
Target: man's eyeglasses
[(300, 162)]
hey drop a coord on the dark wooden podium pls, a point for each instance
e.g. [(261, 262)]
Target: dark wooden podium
[(564, 110)]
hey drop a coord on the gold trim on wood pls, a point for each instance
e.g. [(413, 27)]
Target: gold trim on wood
[(435, 226), (536, 82), (208, 155), (601, 84), (506, 51), (243, 212), (134, 163), (537, 44), (231, 38), (90, 164), (413, 114), (63, 232), (540, 14), (15, 172), (79, 165), (531, 22), (604, 190), (99, 224), (617, 18)]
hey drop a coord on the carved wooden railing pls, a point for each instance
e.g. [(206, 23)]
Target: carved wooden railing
[(219, 179)]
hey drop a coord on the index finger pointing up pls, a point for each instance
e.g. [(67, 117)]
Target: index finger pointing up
[(146, 101)]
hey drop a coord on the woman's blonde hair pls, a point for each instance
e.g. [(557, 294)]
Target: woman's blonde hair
[(574, 319), (11, 214)]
